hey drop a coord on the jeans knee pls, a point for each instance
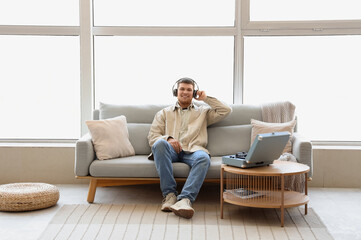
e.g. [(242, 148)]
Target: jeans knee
[(205, 160), (160, 145)]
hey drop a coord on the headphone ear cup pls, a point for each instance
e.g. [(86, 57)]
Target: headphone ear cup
[(175, 92), (195, 93)]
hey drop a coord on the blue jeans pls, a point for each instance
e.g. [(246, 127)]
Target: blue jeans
[(165, 155)]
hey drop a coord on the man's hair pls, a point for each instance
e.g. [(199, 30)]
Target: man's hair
[(187, 81)]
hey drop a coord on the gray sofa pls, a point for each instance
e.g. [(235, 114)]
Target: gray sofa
[(228, 136)]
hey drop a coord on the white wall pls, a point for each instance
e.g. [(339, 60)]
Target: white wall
[(335, 167), (37, 164)]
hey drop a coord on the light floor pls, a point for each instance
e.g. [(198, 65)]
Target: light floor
[(338, 208)]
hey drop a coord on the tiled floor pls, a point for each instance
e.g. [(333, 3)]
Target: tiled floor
[(339, 209)]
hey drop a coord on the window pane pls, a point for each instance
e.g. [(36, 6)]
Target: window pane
[(142, 70), (164, 13), (286, 10), (39, 88), (39, 12), (320, 75)]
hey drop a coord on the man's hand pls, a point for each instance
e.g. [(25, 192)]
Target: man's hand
[(201, 95), (175, 144)]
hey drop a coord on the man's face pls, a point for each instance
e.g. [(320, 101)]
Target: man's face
[(185, 93)]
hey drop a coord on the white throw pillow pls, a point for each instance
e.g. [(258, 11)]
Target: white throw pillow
[(110, 138), (259, 127)]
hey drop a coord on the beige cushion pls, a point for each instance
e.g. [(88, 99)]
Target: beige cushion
[(259, 127), (110, 138)]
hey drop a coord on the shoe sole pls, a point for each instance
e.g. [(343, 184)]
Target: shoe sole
[(185, 213), (166, 209)]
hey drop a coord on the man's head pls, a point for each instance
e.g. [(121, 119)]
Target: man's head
[(185, 91)]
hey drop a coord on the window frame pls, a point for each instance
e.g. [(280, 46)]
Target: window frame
[(310, 27), (37, 30), (242, 27)]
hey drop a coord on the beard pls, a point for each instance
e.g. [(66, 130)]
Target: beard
[(185, 100)]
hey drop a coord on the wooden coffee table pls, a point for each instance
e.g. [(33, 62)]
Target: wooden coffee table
[(279, 185)]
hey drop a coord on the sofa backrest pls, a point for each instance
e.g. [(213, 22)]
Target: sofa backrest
[(231, 135)]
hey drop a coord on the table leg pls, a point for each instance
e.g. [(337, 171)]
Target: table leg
[(306, 192), (282, 200), (222, 170)]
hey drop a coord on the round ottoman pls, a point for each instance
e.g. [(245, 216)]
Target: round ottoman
[(17, 197)]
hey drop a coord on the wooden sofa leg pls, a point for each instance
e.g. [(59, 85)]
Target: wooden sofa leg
[(92, 188)]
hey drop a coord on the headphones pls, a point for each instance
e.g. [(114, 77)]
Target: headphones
[(175, 90)]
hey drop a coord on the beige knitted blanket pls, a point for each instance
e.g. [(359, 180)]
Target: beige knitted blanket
[(280, 112)]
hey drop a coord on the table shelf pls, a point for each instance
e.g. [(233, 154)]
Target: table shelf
[(270, 199)]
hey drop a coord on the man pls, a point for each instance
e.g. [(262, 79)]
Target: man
[(179, 134)]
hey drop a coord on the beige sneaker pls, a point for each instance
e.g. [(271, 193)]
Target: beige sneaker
[(183, 208), (168, 201)]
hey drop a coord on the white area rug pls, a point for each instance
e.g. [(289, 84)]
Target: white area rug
[(146, 221)]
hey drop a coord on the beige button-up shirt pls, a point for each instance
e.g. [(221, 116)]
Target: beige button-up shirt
[(189, 126)]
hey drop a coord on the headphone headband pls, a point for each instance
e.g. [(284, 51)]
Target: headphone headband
[(175, 90)]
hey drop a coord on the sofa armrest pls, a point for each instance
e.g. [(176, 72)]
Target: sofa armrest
[(302, 150), (84, 155)]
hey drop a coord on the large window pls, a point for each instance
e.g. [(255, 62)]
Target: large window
[(139, 70), (319, 74), (164, 13), (296, 10), (39, 89), (40, 70), (39, 12)]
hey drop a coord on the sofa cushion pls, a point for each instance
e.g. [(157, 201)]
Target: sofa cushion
[(241, 115), (136, 166), (138, 133), (110, 138), (139, 166), (259, 127), (214, 170), (133, 113), (228, 140)]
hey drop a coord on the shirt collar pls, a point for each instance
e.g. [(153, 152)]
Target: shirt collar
[(176, 105)]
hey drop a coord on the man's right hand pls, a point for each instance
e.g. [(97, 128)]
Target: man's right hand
[(175, 144)]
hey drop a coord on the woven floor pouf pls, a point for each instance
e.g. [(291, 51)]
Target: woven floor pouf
[(16, 197)]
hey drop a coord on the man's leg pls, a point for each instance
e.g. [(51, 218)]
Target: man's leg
[(199, 162), (164, 155)]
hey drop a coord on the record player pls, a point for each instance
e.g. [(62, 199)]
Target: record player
[(266, 148)]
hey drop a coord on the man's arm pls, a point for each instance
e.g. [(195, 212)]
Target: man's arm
[(157, 130), (218, 109)]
